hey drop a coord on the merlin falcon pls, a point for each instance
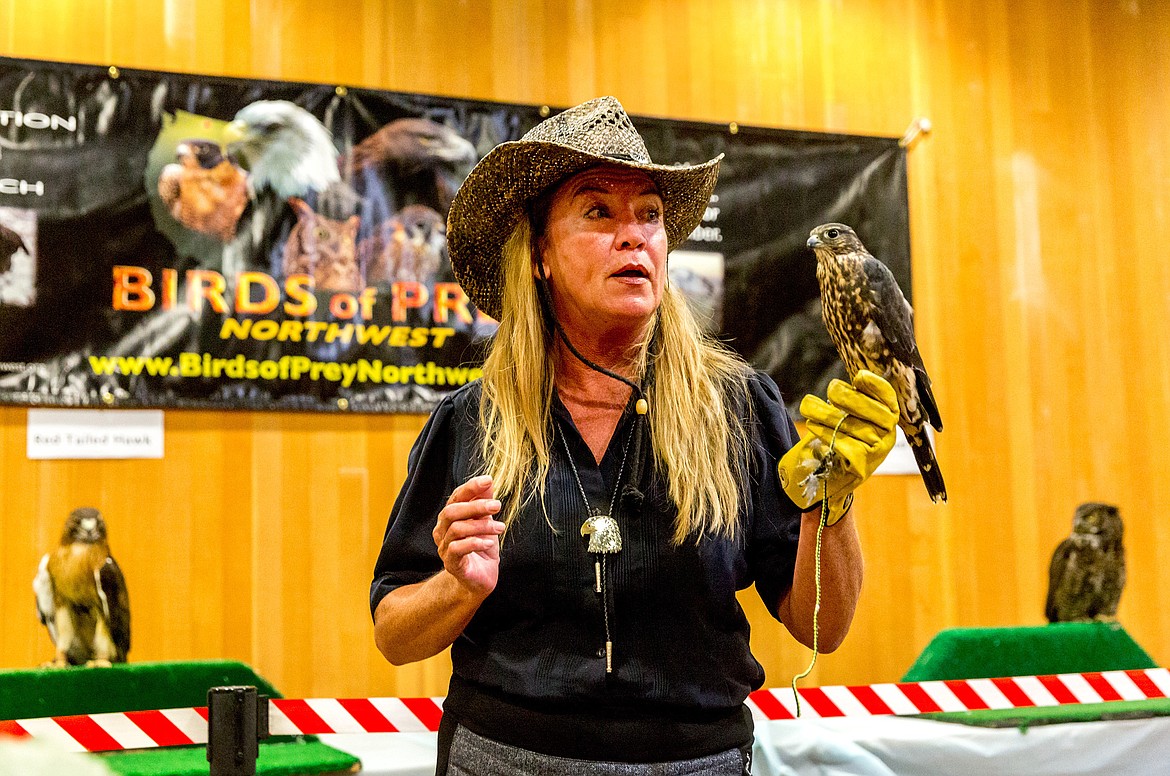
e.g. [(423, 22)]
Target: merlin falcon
[(872, 325)]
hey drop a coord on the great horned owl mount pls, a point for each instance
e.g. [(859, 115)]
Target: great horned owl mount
[(1088, 568)]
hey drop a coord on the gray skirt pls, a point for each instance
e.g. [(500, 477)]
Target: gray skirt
[(474, 755)]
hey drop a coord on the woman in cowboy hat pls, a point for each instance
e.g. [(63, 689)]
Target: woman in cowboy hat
[(611, 482)]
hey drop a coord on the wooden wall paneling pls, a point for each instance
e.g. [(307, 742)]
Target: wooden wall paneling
[(351, 623), (921, 534), (272, 492), (369, 40), (1130, 85), (411, 48), (389, 444), (1155, 382), (985, 562), (1041, 293), (333, 607), (23, 540), (235, 552), (160, 532), (1038, 220), (571, 74)]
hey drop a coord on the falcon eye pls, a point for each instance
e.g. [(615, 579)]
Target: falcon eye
[(833, 234)]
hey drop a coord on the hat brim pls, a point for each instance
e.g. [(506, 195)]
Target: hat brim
[(493, 198)]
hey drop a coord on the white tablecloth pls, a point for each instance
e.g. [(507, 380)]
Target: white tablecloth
[(879, 746)]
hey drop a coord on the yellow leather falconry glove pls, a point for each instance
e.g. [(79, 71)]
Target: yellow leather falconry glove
[(858, 420)]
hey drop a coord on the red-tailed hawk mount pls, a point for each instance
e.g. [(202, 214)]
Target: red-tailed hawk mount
[(81, 595)]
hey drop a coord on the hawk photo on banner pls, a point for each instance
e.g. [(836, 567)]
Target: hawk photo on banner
[(872, 325), (81, 595), (420, 161)]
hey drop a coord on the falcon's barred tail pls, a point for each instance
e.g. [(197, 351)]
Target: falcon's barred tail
[(928, 465), (926, 398)]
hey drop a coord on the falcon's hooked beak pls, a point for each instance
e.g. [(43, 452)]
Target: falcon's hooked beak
[(814, 242)]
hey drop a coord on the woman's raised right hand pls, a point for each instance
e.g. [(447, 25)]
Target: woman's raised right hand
[(468, 536)]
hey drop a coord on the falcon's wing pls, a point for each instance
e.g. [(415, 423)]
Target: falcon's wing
[(43, 588), (891, 312), (895, 318), (116, 602)]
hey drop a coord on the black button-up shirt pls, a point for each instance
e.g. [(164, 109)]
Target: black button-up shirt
[(680, 638)]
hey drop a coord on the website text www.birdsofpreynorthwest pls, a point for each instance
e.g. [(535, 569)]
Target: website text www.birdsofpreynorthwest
[(284, 368)]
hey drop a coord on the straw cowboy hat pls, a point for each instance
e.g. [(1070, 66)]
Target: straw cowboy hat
[(494, 196)]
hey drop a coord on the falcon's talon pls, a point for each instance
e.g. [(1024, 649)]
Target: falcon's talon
[(826, 466)]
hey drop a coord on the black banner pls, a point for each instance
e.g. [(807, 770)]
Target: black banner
[(173, 240)]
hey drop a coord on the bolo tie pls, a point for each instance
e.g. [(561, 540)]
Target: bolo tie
[(603, 530)]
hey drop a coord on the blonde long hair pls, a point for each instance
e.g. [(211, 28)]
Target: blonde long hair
[(698, 405)]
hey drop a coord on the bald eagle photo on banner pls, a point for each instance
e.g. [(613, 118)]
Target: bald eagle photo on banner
[(81, 595)]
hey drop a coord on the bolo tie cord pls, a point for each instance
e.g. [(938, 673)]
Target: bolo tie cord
[(822, 473), (630, 491), (546, 303)]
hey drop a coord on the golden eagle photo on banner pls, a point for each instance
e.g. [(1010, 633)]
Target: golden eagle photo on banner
[(172, 240)]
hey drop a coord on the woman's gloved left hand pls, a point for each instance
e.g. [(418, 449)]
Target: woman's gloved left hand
[(859, 422)]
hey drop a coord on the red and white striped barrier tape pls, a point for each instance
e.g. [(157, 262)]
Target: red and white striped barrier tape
[(963, 694), (183, 727), (317, 716)]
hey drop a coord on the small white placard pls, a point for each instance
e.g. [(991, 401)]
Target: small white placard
[(95, 434), (901, 458)]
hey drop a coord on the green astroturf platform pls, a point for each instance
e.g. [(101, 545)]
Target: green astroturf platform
[(1060, 648), (58, 692), (278, 758)]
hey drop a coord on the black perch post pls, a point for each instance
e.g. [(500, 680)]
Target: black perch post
[(237, 718)]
